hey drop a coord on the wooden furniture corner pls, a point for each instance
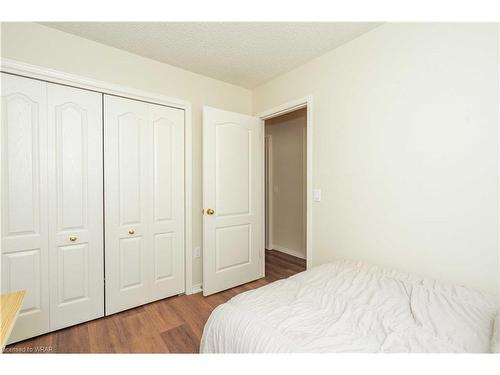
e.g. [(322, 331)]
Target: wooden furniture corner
[(10, 304)]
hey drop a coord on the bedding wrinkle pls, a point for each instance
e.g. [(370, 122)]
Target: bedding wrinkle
[(409, 293), (349, 306)]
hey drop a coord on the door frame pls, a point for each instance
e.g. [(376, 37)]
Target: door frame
[(54, 76), (284, 108), (268, 144)]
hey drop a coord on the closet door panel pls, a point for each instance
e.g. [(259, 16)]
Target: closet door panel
[(144, 186), (129, 166), (131, 269), (76, 218), (24, 201), (128, 243), (168, 201)]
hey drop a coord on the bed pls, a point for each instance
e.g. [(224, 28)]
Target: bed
[(348, 306)]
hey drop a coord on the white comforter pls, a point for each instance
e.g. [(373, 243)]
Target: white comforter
[(350, 306)]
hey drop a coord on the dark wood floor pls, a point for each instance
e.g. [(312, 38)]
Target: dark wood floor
[(172, 325)]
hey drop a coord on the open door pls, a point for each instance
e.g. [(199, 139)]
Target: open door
[(233, 217)]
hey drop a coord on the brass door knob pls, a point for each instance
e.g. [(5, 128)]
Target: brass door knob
[(72, 238), (210, 211), (131, 231)]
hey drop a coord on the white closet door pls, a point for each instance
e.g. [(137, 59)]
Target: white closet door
[(75, 205), (144, 198), (126, 201), (167, 211), (24, 201)]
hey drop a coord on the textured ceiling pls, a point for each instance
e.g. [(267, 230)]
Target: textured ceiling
[(245, 54)]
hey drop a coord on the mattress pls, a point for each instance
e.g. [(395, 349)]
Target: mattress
[(348, 306)]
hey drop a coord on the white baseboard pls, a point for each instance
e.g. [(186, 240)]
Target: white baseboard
[(285, 250), (196, 288)]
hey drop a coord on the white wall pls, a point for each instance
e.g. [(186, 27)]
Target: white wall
[(405, 149), (288, 180), (43, 46)]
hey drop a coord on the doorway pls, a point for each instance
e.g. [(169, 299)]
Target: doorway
[(286, 193)]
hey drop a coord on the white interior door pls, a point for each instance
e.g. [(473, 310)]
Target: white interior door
[(233, 165), (144, 202), (75, 205), (24, 201)]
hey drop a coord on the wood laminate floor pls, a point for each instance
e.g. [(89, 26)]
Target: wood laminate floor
[(171, 325)]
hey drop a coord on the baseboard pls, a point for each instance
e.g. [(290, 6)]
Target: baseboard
[(196, 288), (285, 250)]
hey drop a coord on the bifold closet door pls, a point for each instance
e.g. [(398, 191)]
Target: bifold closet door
[(144, 202), (52, 186), (75, 171), (25, 247)]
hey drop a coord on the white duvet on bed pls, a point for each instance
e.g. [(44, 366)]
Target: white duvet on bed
[(350, 306)]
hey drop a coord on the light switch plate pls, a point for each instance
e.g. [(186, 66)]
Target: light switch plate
[(317, 195), (197, 252)]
